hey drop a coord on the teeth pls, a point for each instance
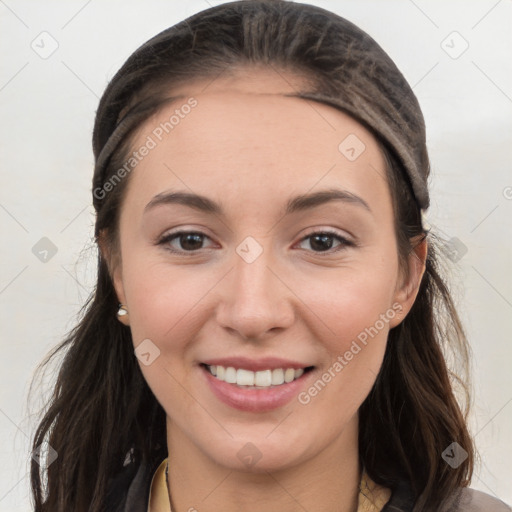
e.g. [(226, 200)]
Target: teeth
[(230, 375), (277, 377), (254, 380), (263, 379), (289, 375), (244, 377)]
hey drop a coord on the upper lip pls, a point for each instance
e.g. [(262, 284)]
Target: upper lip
[(265, 363)]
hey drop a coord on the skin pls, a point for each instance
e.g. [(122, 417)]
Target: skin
[(250, 148)]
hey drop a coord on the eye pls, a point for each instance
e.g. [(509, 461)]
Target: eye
[(190, 241), (322, 241)]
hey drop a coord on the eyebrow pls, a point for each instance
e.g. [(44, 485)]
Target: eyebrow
[(298, 203)]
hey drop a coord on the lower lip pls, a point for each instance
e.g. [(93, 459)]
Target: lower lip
[(255, 400)]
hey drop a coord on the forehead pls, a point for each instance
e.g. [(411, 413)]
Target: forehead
[(263, 98), (245, 131), (235, 120), (248, 105)]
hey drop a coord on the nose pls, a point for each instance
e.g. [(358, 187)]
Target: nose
[(255, 298)]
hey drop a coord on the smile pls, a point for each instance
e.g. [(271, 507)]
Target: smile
[(256, 385), (256, 380)]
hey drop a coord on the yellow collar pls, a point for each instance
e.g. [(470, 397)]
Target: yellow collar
[(372, 497)]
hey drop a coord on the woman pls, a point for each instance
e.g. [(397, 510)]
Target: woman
[(268, 325)]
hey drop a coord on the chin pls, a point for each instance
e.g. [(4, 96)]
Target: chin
[(257, 454)]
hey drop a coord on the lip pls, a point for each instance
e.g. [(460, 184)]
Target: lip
[(255, 400), (266, 363)]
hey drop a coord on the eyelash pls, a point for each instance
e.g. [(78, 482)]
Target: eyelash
[(166, 239)]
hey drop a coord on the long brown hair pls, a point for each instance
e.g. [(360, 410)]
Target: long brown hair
[(102, 411)]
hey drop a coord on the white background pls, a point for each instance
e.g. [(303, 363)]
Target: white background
[(47, 109)]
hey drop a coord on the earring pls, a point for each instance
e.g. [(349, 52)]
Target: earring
[(123, 311)]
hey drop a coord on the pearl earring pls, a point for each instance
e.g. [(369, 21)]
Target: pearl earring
[(123, 311)]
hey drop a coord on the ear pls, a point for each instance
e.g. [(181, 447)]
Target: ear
[(114, 266), (407, 291)]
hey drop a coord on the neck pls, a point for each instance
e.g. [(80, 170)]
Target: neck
[(327, 482)]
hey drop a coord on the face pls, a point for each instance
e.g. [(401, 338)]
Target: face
[(257, 277)]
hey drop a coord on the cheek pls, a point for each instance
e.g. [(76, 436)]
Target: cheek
[(165, 301), (347, 302), (168, 307), (352, 318), (356, 349), (353, 334)]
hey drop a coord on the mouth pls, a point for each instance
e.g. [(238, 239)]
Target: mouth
[(257, 391), (262, 379)]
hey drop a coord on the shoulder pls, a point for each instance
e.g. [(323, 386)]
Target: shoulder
[(471, 500), (464, 499), (129, 490)]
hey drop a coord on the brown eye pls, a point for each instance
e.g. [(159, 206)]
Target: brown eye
[(323, 241), (187, 241)]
